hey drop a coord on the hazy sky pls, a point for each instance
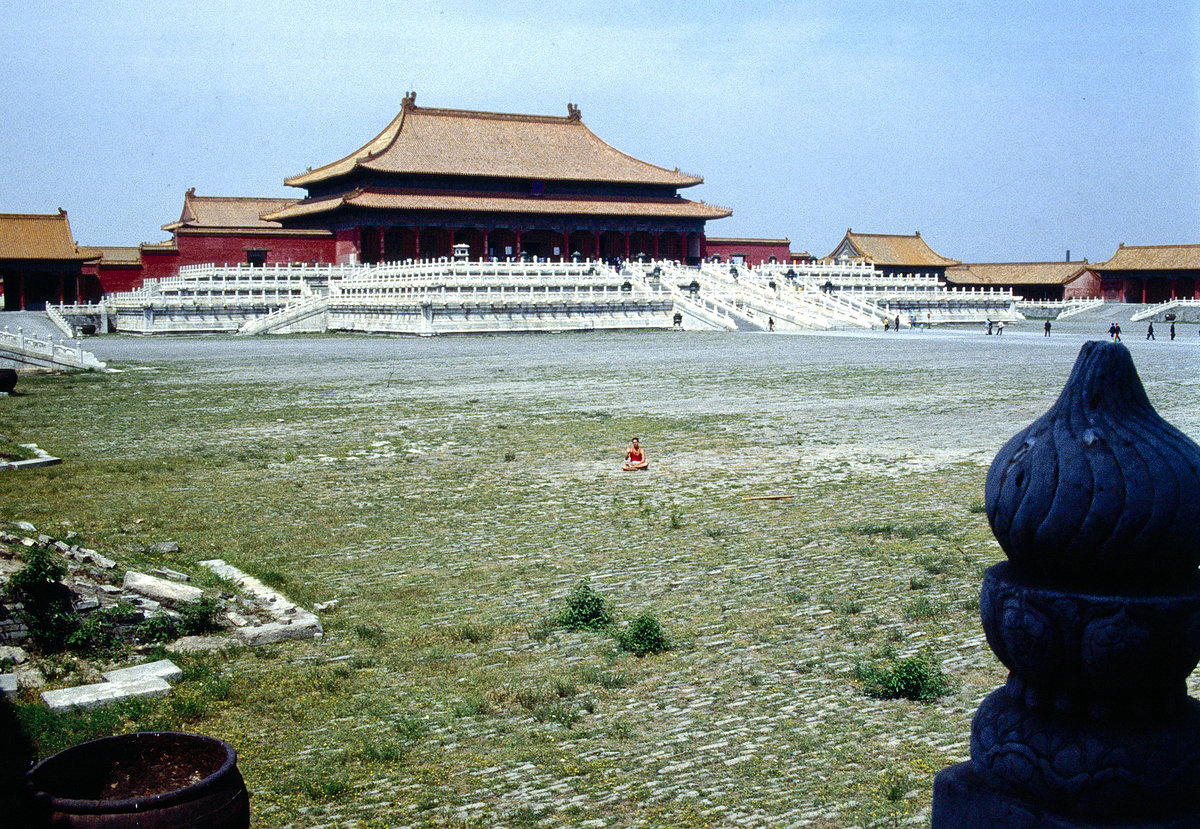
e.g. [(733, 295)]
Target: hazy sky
[(1003, 131)]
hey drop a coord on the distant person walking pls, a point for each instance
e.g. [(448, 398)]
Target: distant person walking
[(1150, 332), (1172, 330), (989, 326), (999, 328), (1046, 327), (897, 322), (1114, 331)]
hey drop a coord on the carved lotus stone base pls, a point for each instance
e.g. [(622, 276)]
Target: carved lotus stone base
[(964, 799), (1107, 655)]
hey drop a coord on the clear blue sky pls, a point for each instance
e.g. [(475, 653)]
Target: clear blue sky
[(1002, 131)]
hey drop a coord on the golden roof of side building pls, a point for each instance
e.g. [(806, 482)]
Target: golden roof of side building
[(1016, 273), (422, 140), (552, 205), (1152, 258), (889, 250), (224, 212), (116, 254), (39, 236)]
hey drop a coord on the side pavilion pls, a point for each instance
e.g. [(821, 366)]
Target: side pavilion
[(505, 185), (892, 255), (40, 262)]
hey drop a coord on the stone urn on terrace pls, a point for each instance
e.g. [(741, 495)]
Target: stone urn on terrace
[(1096, 614)]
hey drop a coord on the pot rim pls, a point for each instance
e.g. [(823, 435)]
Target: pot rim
[(134, 804)]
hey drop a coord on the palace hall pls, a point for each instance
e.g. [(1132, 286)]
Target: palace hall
[(505, 185)]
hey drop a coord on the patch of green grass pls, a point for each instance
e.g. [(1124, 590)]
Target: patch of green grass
[(923, 608)]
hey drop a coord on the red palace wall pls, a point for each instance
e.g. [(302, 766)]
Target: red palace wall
[(117, 279), (755, 251), (231, 250), (1084, 286)]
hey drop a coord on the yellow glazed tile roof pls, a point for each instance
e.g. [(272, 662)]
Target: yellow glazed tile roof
[(1016, 273), (421, 140), (39, 236), (889, 249), (1152, 258)]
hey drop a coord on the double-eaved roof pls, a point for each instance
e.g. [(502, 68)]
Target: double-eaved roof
[(1015, 273), (1152, 258), (45, 237), (378, 198), (889, 250), (427, 141)]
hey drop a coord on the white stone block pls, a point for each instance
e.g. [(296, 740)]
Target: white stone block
[(161, 590), (163, 669), (274, 632), (104, 693), (201, 644), (8, 684)]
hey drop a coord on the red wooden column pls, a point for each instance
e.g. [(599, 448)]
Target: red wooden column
[(703, 247), (381, 243), (483, 256), (1173, 281), (627, 244), (1144, 281), (596, 244), (656, 244), (517, 247), (417, 242), (566, 257)]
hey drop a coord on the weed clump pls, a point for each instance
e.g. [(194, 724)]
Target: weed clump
[(47, 609), (586, 609), (917, 678), (643, 636)]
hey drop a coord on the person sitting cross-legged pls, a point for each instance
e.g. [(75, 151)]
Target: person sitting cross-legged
[(635, 457)]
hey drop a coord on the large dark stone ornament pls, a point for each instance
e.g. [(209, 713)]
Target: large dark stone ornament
[(1096, 615)]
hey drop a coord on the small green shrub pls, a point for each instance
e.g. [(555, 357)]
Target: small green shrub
[(200, 617), (643, 636), (159, 628), (917, 678), (676, 519), (586, 609), (48, 611), (99, 632)]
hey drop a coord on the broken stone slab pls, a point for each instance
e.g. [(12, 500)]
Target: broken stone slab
[(29, 677), (104, 693), (92, 557), (164, 547), (87, 604), (168, 573), (163, 669), (8, 684), (161, 590), (201, 644), (273, 632), (25, 526), (325, 607), (276, 603), (15, 655)]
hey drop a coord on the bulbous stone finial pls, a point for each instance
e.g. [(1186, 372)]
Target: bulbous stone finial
[(1100, 491)]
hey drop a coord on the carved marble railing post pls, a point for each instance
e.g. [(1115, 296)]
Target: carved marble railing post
[(1097, 616)]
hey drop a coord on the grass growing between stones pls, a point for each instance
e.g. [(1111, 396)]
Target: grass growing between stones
[(439, 694)]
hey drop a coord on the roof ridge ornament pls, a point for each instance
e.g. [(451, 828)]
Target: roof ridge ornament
[(573, 113), (409, 101)]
